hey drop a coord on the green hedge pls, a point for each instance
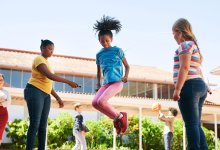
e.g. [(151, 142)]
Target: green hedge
[(100, 135)]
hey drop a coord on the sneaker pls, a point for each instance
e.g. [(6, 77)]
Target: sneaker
[(117, 125), (124, 122)]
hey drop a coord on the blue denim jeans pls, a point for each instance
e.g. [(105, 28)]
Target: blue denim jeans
[(192, 97), (168, 138), (38, 103)]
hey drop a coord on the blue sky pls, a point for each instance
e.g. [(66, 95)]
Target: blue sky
[(146, 36)]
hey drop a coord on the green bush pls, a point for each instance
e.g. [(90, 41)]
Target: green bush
[(100, 135), (152, 135), (178, 135), (59, 129), (132, 134), (17, 131), (210, 137), (96, 136)]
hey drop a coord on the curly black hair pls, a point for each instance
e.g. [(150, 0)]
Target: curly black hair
[(44, 43), (106, 24)]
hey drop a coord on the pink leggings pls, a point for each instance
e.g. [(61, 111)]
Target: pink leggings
[(100, 101)]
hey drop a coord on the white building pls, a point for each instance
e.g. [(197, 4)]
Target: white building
[(146, 85)]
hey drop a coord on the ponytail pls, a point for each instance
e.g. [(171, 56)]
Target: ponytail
[(106, 24)]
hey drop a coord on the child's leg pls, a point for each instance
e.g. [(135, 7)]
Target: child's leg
[(95, 103), (101, 101), (77, 139)]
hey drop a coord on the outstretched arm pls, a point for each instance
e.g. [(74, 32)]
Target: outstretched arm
[(45, 71), (164, 118)]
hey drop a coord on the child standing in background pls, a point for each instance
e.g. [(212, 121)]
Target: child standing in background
[(79, 129), (5, 101), (168, 128), (109, 60)]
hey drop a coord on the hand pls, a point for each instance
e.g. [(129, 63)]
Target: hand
[(73, 84), (209, 90), (1, 100), (159, 112), (98, 87), (60, 102), (159, 108), (176, 95), (124, 79), (83, 133)]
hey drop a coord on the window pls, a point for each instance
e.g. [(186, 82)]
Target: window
[(141, 89), (59, 86), (68, 88), (94, 85), (149, 90), (132, 89), (124, 91), (79, 81), (163, 91), (171, 90), (16, 79), (26, 77), (88, 85)]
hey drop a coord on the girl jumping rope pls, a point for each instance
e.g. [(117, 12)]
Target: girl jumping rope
[(109, 60)]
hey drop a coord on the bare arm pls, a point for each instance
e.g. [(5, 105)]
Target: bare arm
[(55, 95), (183, 72), (45, 71), (98, 77), (127, 68), (2, 100), (6, 102), (184, 69), (164, 118), (59, 100), (159, 116)]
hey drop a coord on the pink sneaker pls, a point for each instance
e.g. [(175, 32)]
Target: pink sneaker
[(124, 122), (117, 125)]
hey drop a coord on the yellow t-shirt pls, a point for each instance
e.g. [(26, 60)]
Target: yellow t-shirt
[(38, 79)]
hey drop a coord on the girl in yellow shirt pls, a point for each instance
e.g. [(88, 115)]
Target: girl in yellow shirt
[(37, 95)]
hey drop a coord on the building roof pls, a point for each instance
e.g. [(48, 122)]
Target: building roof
[(79, 66), (216, 71)]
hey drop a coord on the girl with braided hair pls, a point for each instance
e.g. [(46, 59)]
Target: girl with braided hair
[(109, 61), (190, 88)]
